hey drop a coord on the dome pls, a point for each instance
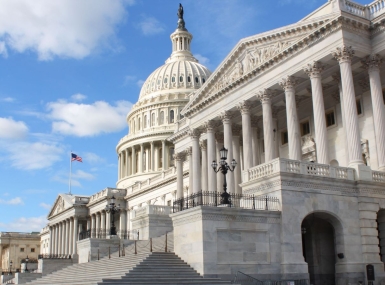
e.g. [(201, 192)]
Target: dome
[(181, 75)]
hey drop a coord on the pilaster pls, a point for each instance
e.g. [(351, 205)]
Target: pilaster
[(265, 97), (244, 107)]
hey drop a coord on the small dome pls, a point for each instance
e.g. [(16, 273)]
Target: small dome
[(181, 75)]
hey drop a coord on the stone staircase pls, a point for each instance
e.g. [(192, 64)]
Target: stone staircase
[(139, 269)]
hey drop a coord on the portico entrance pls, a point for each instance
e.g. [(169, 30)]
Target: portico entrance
[(318, 246)]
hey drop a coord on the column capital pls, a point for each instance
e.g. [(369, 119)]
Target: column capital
[(236, 130), (265, 95), (210, 125), (372, 62), (194, 133), (203, 144), (314, 69), (226, 116), (244, 107), (343, 54), (179, 156), (188, 151), (289, 82)]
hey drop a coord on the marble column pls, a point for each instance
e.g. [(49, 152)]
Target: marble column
[(190, 167), (244, 108), (119, 165), (61, 237), (179, 174), (321, 138), (164, 155), (71, 237), (133, 160), (122, 223), (228, 143), (196, 163), (66, 237), (344, 56), (211, 155), (128, 228), (147, 160), (152, 157), (268, 133), (76, 234), (108, 224), (56, 251), (372, 63), (93, 225), (51, 235), (219, 144), (204, 185), (127, 169), (236, 130), (103, 224), (255, 142), (97, 225), (88, 223), (141, 158), (294, 135), (156, 158)]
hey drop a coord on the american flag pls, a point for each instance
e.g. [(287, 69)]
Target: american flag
[(75, 157)]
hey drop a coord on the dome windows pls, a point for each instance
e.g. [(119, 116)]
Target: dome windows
[(165, 80), (173, 79), (188, 79), (145, 122), (180, 78), (203, 80), (138, 123), (161, 118), (153, 120), (172, 116), (196, 79)]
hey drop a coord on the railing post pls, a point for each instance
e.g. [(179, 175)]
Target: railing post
[(266, 207), (150, 244), (253, 202), (119, 249), (138, 235), (165, 250), (135, 248), (109, 253), (98, 253)]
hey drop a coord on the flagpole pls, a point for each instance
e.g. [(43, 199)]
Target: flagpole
[(70, 172)]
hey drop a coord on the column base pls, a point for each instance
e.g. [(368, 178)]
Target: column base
[(362, 171)]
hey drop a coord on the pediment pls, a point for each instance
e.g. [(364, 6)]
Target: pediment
[(62, 203), (251, 53)]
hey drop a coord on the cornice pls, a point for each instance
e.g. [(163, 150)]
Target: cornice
[(183, 133), (310, 39), (151, 106), (126, 139)]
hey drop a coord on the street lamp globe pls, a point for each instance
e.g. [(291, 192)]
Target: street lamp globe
[(233, 163), (214, 164), (223, 152)]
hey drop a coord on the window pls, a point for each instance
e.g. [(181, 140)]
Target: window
[(284, 137), (188, 79), (165, 80), (144, 161), (330, 119), (181, 79), (32, 250), (173, 79), (359, 106), (161, 119), (172, 161), (145, 121), (21, 249), (139, 124), (172, 116), (305, 128), (196, 79), (152, 119), (160, 157), (203, 80)]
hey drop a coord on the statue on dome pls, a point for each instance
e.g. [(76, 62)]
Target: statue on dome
[(181, 23)]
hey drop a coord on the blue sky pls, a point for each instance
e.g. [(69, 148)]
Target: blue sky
[(70, 71)]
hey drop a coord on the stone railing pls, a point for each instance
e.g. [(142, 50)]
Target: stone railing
[(378, 176), (151, 210), (108, 192), (369, 11), (300, 167)]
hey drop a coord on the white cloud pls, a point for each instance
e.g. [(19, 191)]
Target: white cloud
[(63, 28), (83, 120), (7, 99), (11, 129), (23, 224), (92, 158), (78, 97), (31, 156), (3, 49), (14, 201), (45, 206), (150, 26), (202, 60)]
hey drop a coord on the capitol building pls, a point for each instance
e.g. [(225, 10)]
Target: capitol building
[(300, 110)]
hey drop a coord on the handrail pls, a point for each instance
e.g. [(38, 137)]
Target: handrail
[(245, 279)]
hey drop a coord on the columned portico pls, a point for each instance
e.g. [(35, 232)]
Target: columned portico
[(314, 71), (372, 63), (344, 56), (190, 166), (196, 165), (236, 131), (179, 174), (228, 143), (244, 108), (288, 84), (76, 233), (203, 145), (211, 149)]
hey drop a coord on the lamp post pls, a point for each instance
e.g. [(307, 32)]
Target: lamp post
[(10, 267), (26, 264), (112, 209), (224, 168)]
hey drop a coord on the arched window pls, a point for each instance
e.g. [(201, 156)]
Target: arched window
[(161, 119), (203, 80), (152, 119), (172, 152), (138, 123), (172, 116), (197, 79), (188, 79), (160, 158), (173, 79), (165, 80), (145, 121), (181, 79)]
